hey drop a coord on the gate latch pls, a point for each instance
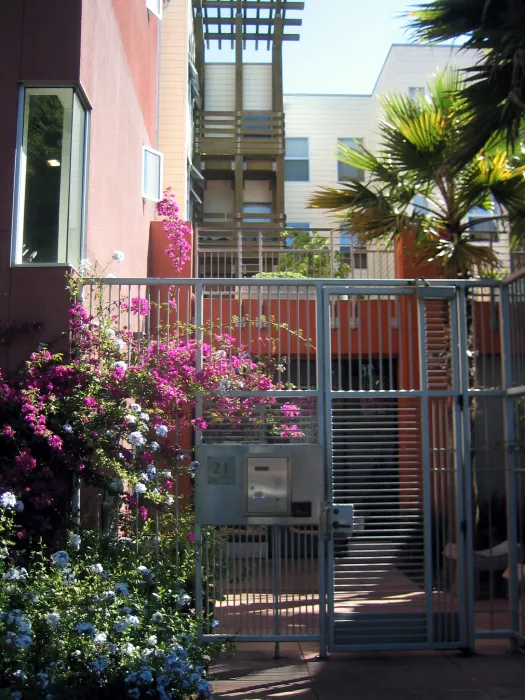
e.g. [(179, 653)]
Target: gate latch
[(342, 517)]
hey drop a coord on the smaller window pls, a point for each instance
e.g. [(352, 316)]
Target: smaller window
[(289, 240), (349, 241), (420, 204), (415, 92), (296, 160), (257, 213), (345, 171), (480, 229), (155, 6), (152, 162), (360, 261)]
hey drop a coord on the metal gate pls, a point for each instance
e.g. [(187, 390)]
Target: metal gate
[(394, 485), (411, 400)]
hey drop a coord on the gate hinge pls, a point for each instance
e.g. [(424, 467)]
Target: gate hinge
[(463, 528)]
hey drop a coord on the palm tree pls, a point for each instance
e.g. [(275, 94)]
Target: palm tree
[(414, 188), (495, 89)]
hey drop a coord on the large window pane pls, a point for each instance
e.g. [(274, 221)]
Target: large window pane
[(296, 148), (296, 163), (152, 174), (482, 225), (345, 171), (296, 170), (51, 185), (76, 188)]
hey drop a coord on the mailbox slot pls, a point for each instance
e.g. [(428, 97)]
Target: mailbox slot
[(267, 486)]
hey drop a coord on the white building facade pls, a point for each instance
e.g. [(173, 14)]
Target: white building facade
[(315, 124)]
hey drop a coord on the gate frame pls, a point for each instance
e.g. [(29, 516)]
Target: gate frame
[(436, 290)]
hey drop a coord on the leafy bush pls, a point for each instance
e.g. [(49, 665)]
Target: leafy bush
[(102, 618), (309, 255)]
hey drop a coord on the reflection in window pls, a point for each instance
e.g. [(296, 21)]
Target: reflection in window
[(51, 184)]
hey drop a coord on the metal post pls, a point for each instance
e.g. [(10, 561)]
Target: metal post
[(239, 253), (260, 249), (324, 372), (425, 448), (466, 440), (332, 255), (323, 414), (509, 437), (196, 253), (458, 461)]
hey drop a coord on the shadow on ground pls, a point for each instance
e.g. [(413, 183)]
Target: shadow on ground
[(253, 674)]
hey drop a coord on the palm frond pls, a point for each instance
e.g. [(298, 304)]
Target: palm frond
[(494, 93)]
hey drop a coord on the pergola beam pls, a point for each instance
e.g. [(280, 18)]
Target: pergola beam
[(258, 22), (250, 4), (247, 37)]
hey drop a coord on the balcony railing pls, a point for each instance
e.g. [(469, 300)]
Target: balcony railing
[(247, 133), (262, 251)]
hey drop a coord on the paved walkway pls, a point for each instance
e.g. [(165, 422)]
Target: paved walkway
[(251, 673)]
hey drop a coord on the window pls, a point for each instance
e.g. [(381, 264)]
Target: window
[(415, 92), (345, 171), (256, 126), (289, 240), (50, 187), (296, 163), (152, 162), (420, 204), (351, 244), (482, 230), (348, 241), (155, 6), (258, 213)]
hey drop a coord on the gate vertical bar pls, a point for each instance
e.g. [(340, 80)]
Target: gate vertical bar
[(459, 481), (466, 440), (198, 441), (325, 377), (322, 340), (425, 449), (509, 437)]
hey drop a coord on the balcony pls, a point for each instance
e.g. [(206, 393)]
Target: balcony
[(239, 133), (264, 250)]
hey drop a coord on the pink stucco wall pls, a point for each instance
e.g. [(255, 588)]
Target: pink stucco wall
[(117, 217), (110, 47)]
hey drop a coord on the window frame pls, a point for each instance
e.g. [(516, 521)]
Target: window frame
[(358, 142), (153, 151), (155, 7), (298, 158), (19, 184)]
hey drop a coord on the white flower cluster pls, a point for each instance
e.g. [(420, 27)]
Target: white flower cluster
[(20, 630), (8, 500)]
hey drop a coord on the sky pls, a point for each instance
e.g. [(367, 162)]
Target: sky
[(342, 48)]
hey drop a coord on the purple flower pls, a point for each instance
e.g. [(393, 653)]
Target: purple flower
[(55, 443)]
